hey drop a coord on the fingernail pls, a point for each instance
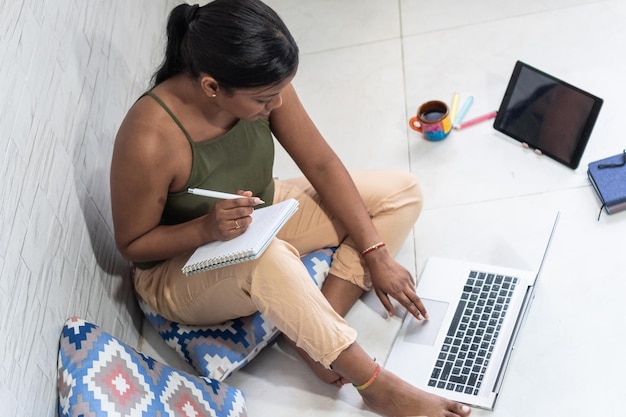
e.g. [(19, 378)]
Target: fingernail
[(257, 200)]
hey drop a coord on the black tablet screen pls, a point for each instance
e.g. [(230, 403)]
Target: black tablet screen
[(547, 114)]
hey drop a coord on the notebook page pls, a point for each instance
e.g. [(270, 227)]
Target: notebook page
[(266, 222)]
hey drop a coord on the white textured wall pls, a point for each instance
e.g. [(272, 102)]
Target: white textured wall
[(69, 70)]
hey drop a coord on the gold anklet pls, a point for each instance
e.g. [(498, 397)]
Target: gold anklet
[(369, 381)]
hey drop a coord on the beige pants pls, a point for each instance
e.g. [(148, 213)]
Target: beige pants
[(277, 284)]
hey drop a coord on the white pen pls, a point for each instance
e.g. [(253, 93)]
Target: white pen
[(218, 194)]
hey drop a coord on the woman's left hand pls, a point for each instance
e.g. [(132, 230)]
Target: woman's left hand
[(390, 279)]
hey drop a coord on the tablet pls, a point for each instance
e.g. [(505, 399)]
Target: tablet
[(547, 114)]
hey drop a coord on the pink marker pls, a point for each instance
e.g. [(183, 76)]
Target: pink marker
[(477, 120)]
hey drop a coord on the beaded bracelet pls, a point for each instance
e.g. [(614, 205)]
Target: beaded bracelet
[(369, 381), (372, 248)]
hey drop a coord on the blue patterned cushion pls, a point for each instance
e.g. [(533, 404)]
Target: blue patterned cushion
[(99, 376), (217, 351)]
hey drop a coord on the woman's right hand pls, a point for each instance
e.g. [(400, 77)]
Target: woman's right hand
[(231, 218)]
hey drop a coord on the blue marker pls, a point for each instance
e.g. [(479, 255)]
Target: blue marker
[(463, 111)]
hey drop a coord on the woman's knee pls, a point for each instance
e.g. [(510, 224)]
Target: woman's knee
[(278, 267), (413, 193), (408, 184), (402, 192)]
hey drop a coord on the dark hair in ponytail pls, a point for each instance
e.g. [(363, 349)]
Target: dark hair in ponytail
[(240, 43)]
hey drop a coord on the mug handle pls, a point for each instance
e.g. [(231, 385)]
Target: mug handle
[(412, 125)]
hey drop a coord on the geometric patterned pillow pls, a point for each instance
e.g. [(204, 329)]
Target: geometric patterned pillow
[(219, 350), (100, 376)]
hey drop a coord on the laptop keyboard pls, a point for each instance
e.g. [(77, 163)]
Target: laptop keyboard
[(469, 344)]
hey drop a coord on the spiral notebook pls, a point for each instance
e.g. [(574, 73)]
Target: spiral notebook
[(266, 222)]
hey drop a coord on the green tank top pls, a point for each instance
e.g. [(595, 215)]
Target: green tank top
[(240, 159)]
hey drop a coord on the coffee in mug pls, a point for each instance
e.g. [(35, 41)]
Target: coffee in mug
[(432, 120)]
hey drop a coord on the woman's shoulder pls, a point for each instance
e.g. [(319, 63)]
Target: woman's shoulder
[(146, 111), (146, 129)]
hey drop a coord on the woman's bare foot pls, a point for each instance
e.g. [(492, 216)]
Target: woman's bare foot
[(391, 396)]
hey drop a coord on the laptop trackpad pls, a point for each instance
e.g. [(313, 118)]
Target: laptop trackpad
[(425, 332)]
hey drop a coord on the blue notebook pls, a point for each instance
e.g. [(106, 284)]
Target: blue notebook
[(608, 177)]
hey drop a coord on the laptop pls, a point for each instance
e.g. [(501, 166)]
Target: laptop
[(475, 314)]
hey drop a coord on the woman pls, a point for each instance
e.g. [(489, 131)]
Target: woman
[(223, 89)]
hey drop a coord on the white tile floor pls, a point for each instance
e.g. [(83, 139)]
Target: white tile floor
[(365, 67)]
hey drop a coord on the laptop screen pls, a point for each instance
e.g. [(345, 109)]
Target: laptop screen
[(547, 114)]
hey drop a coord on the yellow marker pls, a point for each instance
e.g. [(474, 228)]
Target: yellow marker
[(454, 106)]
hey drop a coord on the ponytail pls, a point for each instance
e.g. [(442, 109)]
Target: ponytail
[(177, 27), (240, 43)]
